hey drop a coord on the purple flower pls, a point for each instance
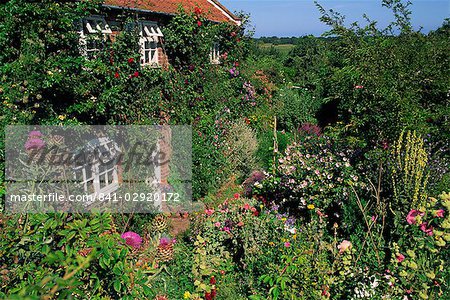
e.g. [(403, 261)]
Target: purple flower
[(132, 239), (34, 133), (165, 241), (34, 143)]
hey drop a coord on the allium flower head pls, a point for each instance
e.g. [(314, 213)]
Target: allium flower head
[(132, 239)]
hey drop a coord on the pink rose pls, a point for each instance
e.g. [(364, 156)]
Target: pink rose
[(217, 224), (209, 211), (287, 244), (344, 245), (400, 257)]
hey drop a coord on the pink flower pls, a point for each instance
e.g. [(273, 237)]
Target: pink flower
[(209, 211), (236, 196), (217, 224), (165, 241), (199, 23), (400, 257), (132, 239), (226, 229), (411, 217), (246, 206), (344, 245), (34, 143), (34, 134), (439, 213), (427, 230), (358, 87), (287, 244)]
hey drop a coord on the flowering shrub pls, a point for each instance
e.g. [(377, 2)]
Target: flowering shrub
[(419, 260), (310, 172)]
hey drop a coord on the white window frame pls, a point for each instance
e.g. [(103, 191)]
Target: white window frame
[(149, 33), (214, 54), (90, 28), (91, 174)]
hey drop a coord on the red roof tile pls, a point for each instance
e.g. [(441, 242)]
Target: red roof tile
[(212, 9)]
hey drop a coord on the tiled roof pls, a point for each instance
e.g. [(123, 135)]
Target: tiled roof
[(211, 9)]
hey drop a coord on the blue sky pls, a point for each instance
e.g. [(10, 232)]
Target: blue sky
[(301, 17)]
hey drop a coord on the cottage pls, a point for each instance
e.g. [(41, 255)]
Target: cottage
[(152, 15)]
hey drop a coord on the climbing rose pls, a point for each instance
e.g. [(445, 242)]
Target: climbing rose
[(132, 239)]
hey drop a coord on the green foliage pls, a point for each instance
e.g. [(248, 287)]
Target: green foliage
[(313, 172), (46, 254)]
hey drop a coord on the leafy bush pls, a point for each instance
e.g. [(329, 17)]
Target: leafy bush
[(311, 172)]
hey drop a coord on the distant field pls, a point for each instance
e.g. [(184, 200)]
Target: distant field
[(283, 48)]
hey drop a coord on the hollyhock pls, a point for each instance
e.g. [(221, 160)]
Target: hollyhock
[(132, 239), (344, 245), (411, 217)]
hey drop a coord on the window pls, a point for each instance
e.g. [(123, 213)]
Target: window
[(100, 176), (150, 35), (93, 34), (214, 55)]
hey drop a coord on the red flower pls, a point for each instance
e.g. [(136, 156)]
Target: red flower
[(212, 280), (131, 60), (233, 34), (213, 293), (117, 75), (236, 64), (136, 74), (197, 10), (400, 257), (199, 23), (236, 196), (208, 296)]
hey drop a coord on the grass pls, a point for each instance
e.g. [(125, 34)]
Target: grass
[(282, 48)]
